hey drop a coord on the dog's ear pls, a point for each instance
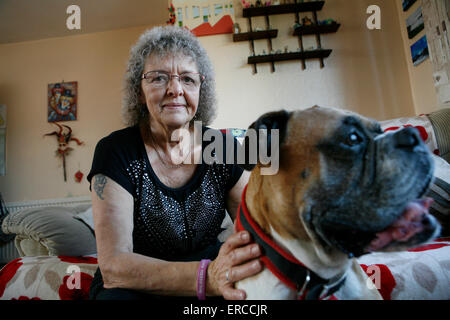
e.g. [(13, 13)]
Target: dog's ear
[(263, 125)]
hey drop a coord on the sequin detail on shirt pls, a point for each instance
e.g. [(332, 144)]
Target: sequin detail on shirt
[(169, 222)]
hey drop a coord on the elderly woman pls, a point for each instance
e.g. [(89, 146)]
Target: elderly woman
[(157, 219)]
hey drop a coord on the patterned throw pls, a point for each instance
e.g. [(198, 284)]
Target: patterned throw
[(420, 273), (47, 278)]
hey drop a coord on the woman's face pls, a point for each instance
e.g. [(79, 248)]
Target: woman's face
[(175, 104)]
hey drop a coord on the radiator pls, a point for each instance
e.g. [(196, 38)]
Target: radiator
[(8, 251)]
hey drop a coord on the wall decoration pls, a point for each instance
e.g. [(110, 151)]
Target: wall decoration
[(64, 137), (204, 17), (78, 176), (172, 15), (415, 23), (2, 116), (436, 14), (2, 139), (407, 4), (62, 101), (419, 51)]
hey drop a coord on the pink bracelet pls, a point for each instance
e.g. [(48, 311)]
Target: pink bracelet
[(201, 279)]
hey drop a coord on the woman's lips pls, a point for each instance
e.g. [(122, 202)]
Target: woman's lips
[(174, 106)]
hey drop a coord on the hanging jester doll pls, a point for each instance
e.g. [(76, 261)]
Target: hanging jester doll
[(64, 137)]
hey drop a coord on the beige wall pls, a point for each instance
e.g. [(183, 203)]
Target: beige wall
[(420, 77), (367, 72)]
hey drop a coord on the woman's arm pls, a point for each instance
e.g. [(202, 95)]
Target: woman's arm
[(121, 268)]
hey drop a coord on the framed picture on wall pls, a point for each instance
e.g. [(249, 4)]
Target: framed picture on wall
[(419, 51), (407, 4), (204, 17), (415, 23), (62, 101)]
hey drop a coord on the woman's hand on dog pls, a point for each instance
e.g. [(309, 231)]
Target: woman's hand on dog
[(237, 259)]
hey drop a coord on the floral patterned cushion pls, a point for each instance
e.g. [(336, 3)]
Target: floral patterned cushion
[(47, 278)]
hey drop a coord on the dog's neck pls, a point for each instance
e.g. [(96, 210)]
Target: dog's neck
[(292, 236)]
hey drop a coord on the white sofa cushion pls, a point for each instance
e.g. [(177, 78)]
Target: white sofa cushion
[(51, 231)]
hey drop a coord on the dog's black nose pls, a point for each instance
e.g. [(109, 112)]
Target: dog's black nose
[(406, 138)]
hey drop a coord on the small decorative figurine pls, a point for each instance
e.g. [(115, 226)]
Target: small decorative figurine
[(236, 28), (307, 21), (245, 4)]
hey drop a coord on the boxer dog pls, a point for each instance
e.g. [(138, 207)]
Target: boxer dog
[(343, 189)]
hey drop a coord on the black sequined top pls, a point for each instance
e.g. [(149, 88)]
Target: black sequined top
[(169, 223)]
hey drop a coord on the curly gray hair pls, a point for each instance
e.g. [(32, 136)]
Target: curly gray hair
[(162, 41)]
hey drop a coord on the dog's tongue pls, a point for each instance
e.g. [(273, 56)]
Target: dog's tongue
[(409, 224)]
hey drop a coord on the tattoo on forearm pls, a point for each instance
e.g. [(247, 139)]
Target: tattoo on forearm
[(99, 185)]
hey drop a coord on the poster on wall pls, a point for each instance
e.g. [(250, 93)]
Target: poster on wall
[(203, 17), (415, 23), (407, 4), (2, 139), (62, 101), (419, 51)]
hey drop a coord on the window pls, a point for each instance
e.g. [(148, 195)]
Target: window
[(205, 14), (218, 8), (195, 12), (180, 16)]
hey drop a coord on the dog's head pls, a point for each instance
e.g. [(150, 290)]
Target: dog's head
[(344, 184)]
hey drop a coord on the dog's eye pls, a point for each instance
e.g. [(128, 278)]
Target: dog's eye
[(353, 139)]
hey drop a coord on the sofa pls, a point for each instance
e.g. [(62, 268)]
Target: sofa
[(58, 250)]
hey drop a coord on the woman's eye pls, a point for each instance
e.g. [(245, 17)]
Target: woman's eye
[(187, 79), (158, 79), (353, 139)]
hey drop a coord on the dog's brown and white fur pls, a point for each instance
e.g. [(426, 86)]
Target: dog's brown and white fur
[(342, 187)]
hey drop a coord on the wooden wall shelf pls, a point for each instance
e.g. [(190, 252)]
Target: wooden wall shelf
[(305, 30), (313, 54), (317, 29), (255, 35), (283, 8)]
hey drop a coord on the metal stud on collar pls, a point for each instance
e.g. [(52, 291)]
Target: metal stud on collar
[(305, 284)]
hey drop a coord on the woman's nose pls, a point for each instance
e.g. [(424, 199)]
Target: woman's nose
[(174, 87)]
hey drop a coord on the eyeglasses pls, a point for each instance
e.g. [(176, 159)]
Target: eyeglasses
[(160, 79)]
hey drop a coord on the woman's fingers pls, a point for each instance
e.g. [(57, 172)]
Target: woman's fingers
[(234, 241), (229, 293), (243, 254), (237, 260), (243, 271), (238, 273)]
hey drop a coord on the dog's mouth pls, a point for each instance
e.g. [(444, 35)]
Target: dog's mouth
[(414, 220), (412, 226)]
